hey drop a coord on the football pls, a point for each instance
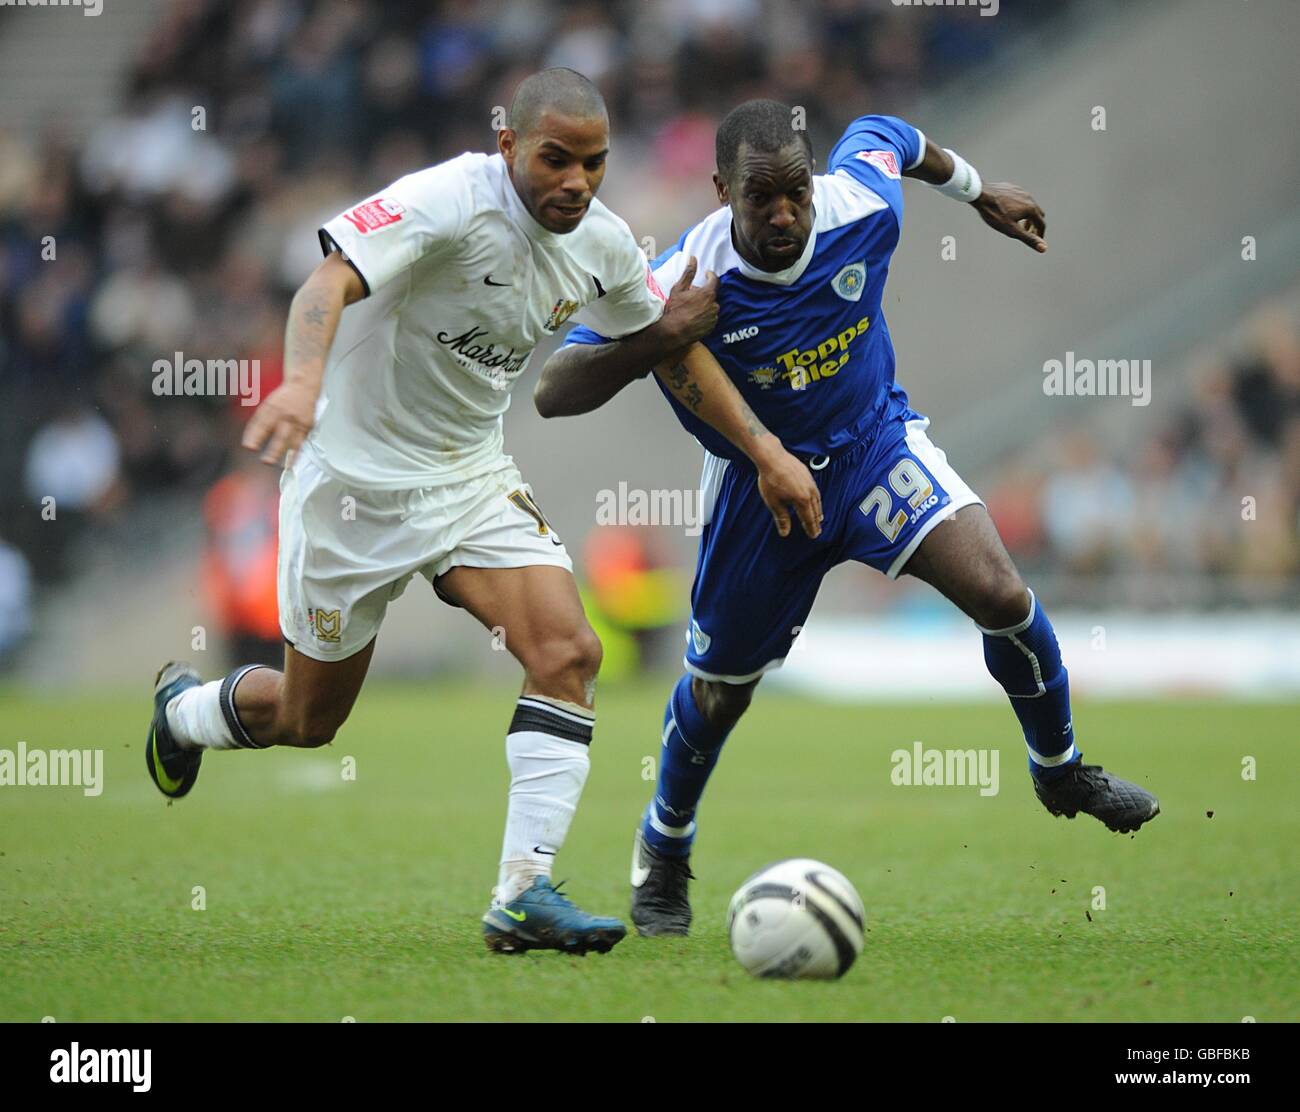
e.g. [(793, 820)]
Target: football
[(796, 919)]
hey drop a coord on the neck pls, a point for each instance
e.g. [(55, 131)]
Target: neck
[(510, 173)]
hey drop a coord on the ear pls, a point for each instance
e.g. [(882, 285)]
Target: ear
[(724, 193), (507, 144)]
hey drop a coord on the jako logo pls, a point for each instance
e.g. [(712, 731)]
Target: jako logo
[(112, 1066), (740, 334)]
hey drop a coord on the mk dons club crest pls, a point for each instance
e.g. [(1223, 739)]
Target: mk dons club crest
[(325, 624), (850, 282)]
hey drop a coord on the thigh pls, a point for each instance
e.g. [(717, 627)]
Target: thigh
[(904, 488), (965, 560), (522, 606), (511, 571), (534, 612)]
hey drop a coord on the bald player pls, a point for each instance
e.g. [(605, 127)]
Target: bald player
[(400, 354)]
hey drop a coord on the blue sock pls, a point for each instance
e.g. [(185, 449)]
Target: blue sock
[(1026, 660), (690, 750)]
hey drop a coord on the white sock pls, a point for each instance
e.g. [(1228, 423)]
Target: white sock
[(197, 720), (546, 750)]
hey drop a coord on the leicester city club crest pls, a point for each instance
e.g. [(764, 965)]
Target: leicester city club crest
[(850, 281)]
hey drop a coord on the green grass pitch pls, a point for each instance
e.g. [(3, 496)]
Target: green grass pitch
[(327, 897)]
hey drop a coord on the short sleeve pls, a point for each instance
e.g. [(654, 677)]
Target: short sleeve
[(418, 215), (632, 303), (581, 334), (873, 148)]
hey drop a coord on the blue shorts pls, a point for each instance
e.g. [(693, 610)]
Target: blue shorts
[(754, 588)]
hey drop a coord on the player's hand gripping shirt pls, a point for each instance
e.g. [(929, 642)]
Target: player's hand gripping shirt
[(462, 284), (808, 346)]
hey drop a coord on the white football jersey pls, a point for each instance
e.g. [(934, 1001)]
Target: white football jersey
[(462, 284)]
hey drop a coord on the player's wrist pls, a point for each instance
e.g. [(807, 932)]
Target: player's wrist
[(964, 184), (305, 378), (765, 451), (668, 339)]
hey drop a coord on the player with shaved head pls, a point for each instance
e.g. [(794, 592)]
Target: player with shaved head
[(400, 354)]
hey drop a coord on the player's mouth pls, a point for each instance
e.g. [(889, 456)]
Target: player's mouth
[(569, 212), (783, 248)]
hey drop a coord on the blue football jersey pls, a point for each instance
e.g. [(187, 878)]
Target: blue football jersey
[(808, 346)]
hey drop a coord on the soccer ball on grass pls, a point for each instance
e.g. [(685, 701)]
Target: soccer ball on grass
[(796, 919)]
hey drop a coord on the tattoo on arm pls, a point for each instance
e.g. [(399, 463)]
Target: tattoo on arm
[(753, 425), (687, 391), (305, 340)]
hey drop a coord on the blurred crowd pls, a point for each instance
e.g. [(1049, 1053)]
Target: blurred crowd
[(1204, 512), (171, 232)]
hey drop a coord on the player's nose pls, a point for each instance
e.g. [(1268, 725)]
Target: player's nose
[(783, 218), (577, 186)]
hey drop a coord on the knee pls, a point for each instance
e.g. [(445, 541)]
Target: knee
[(565, 665), (722, 703), (1002, 602)]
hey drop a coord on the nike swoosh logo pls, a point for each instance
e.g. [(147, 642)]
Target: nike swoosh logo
[(165, 781), (640, 872), (548, 852), (517, 916), (488, 282)]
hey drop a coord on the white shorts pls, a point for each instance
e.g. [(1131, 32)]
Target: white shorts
[(345, 553)]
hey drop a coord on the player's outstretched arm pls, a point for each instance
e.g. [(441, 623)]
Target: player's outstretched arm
[(1004, 207), (582, 377), (700, 384), (286, 416)]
